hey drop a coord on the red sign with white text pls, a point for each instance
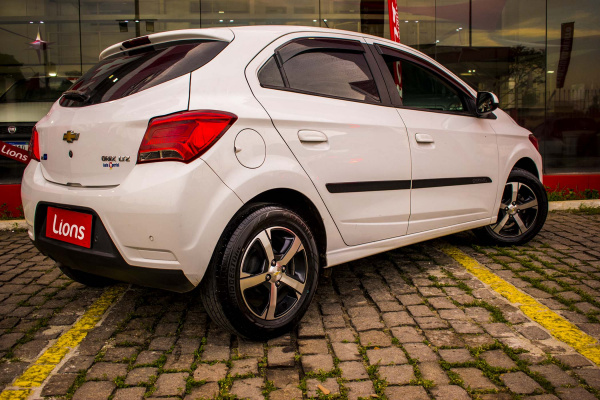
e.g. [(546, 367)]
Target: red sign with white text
[(69, 226), (394, 22), (395, 36), (14, 153)]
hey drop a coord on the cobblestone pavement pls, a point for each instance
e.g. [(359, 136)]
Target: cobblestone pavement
[(407, 324)]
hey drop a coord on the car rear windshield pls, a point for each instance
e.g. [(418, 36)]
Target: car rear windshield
[(130, 72)]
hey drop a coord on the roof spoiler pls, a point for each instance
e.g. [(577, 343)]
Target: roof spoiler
[(222, 34)]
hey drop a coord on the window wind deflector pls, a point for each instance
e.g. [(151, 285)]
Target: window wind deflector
[(296, 47), (76, 95)]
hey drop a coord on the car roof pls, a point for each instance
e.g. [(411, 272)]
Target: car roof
[(269, 33), (271, 30), (228, 34), (275, 31)]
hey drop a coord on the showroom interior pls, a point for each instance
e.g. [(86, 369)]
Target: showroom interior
[(539, 56)]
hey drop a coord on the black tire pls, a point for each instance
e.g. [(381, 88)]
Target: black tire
[(242, 260), (519, 220), (85, 278)]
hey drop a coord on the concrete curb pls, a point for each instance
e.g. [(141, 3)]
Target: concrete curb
[(572, 204), (553, 206), (11, 225)]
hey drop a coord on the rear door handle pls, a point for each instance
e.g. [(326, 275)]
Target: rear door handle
[(424, 138), (309, 136)]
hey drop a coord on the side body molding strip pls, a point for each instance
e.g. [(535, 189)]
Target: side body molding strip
[(371, 186)]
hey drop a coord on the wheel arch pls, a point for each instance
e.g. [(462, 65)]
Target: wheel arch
[(303, 206), (528, 165)]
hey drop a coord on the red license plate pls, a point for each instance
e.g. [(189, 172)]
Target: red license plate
[(69, 226)]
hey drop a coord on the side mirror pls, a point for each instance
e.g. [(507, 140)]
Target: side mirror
[(487, 102)]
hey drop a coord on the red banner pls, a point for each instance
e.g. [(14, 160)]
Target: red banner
[(14, 153), (394, 22), (567, 32), (395, 36)]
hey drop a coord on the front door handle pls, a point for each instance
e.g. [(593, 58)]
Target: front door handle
[(423, 138), (309, 136)]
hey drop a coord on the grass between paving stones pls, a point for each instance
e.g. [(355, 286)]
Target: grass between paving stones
[(582, 293), (536, 283), (98, 357), (322, 376), (379, 384), (40, 323), (190, 384), (419, 380), (566, 368), (528, 265), (159, 363), (29, 334), (226, 383), (459, 283), (496, 314), (268, 388), (79, 380), (492, 373), (262, 370)]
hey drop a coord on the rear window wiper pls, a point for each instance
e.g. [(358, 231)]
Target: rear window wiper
[(76, 95)]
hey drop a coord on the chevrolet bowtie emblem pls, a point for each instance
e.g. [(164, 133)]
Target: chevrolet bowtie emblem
[(70, 136)]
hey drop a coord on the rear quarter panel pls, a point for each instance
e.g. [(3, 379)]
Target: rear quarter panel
[(221, 85)]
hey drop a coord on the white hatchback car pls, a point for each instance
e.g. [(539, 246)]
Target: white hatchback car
[(246, 160)]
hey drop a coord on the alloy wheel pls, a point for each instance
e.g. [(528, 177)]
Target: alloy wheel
[(518, 210), (273, 273)]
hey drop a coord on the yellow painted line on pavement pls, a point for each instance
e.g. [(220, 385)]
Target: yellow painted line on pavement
[(37, 373), (558, 326)]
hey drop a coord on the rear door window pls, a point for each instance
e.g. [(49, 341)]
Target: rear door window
[(133, 71), (323, 66), (269, 75)]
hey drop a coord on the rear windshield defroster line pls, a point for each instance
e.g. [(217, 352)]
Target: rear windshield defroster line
[(139, 69)]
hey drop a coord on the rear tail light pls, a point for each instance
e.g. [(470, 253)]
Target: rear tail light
[(34, 145), (535, 143), (183, 136)]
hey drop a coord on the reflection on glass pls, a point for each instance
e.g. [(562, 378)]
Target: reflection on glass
[(39, 59), (417, 23), (510, 47), (570, 134)]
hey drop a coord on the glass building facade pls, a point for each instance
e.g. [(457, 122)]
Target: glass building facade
[(540, 57)]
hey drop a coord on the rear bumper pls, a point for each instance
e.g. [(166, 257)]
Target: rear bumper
[(163, 221), (103, 258)]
